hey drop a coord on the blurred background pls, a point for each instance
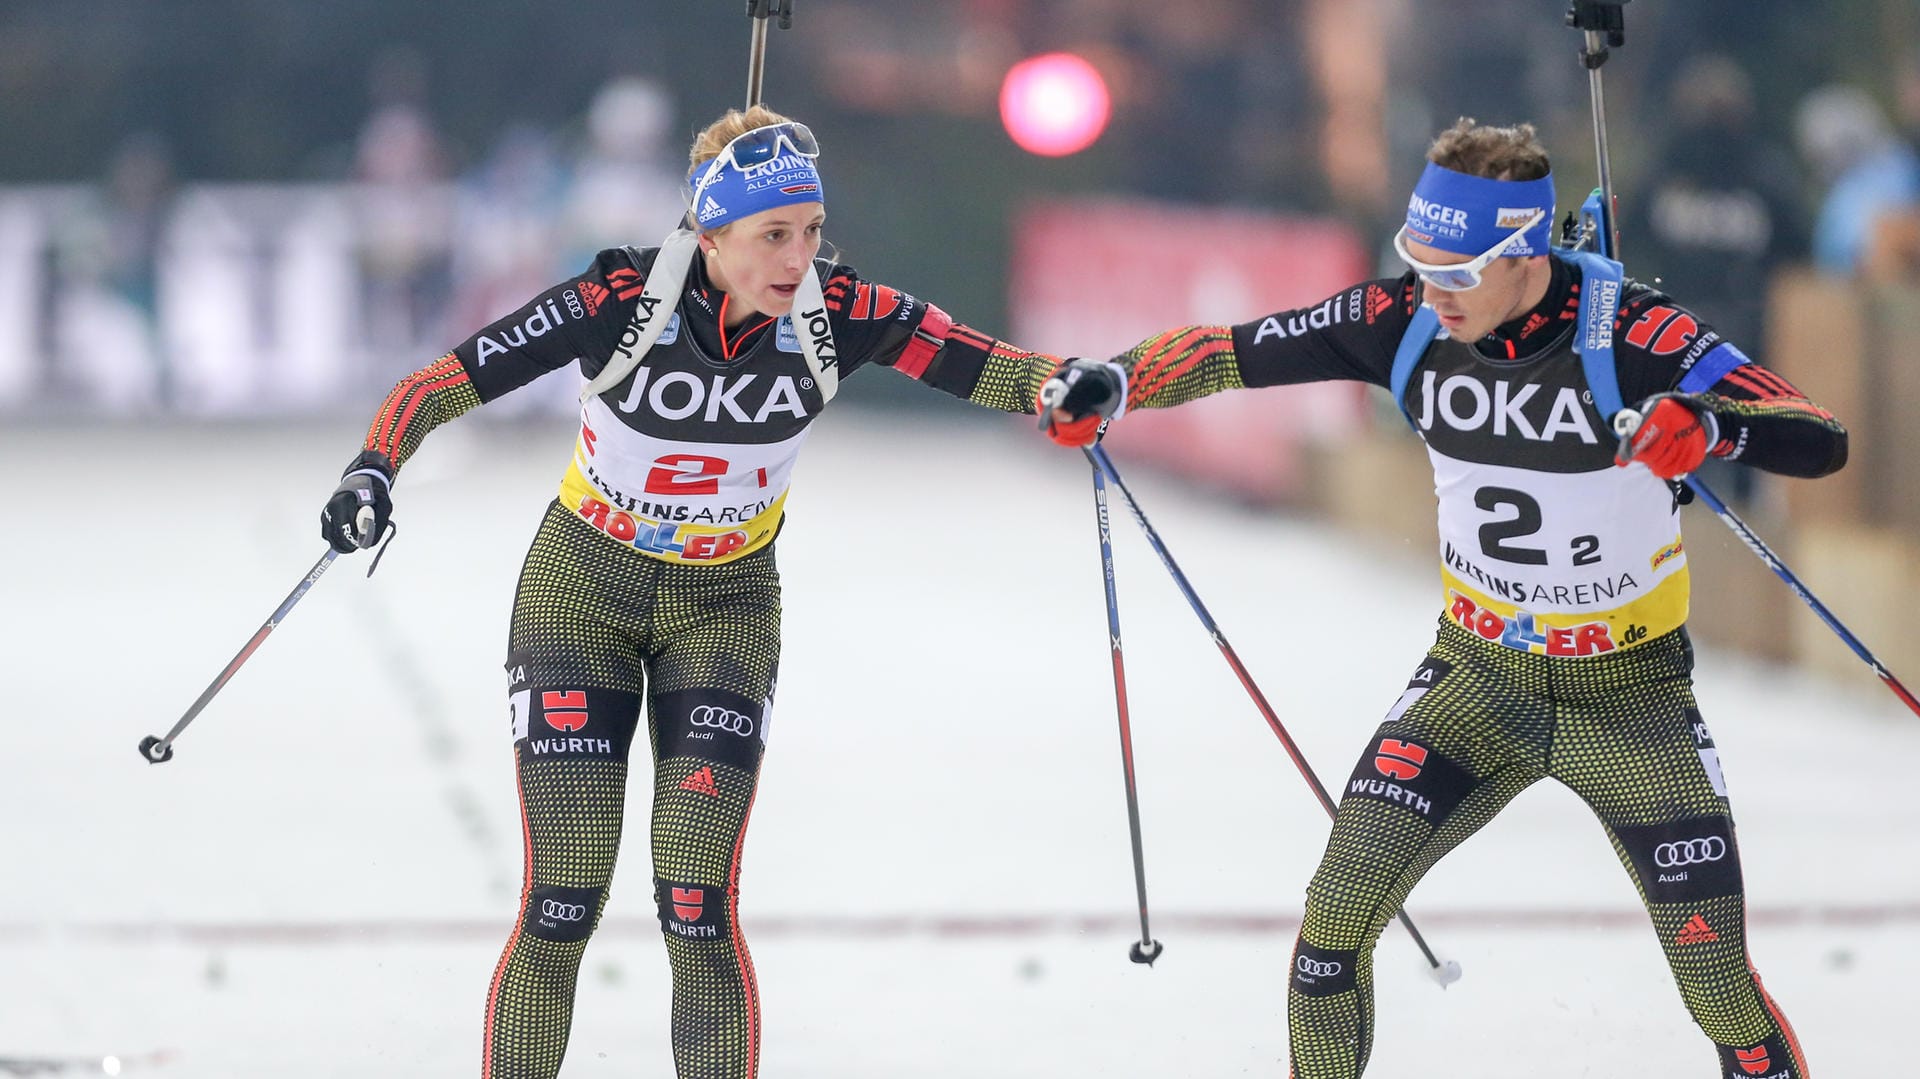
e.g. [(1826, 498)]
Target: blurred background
[(227, 228), (213, 212)]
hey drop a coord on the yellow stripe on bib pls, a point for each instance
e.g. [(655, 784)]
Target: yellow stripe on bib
[(1659, 611), (670, 541)]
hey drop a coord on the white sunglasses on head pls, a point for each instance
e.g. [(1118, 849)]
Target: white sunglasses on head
[(1461, 276), (757, 147)]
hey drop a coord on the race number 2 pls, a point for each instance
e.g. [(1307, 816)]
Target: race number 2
[(690, 474), (1526, 520)]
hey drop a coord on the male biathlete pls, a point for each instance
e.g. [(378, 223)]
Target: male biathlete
[(1562, 650)]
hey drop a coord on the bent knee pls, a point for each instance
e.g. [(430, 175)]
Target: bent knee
[(1323, 972), (1691, 860), (1349, 885), (561, 914), (693, 912)]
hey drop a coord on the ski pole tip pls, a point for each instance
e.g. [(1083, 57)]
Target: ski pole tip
[(1145, 952), (153, 752), (1446, 973)]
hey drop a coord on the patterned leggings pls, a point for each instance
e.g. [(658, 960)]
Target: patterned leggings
[(1477, 725), (593, 628)]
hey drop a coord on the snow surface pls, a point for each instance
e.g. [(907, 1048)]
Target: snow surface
[(937, 880)]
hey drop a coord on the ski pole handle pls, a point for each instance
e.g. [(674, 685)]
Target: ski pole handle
[(1625, 423)]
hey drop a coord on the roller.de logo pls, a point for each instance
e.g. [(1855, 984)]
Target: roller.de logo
[(1399, 760)]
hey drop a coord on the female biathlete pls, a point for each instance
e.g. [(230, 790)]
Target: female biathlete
[(707, 358)]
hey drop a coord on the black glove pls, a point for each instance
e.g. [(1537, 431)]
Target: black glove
[(358, 512), (1089, 392)]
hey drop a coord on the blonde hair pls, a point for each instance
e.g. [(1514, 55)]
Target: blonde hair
[(708, 143), (1497, 153)]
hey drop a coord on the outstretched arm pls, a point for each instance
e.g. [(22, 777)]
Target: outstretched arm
[(1349, 335), (895, 329), (1699, 396), (578, 317)]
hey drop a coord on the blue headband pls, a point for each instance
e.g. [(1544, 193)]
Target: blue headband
[(1467, 215), (723, 193)]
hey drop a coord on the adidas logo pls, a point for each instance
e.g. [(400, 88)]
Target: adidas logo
[(710, 210), (1377, 301), (594, 296), (701, 782), (1696, 931)]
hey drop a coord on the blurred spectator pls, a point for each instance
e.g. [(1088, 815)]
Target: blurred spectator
[(1719, 213), (400, 164), (1907, 95), (1865, 170), (1204, 127), (1894, 251), (1720, 210), (105, 303), (509, 213), (1448, 59), (509, 209), (871, 57), (628, 175)]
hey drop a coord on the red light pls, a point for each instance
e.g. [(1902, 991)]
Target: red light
[(1055, 104)]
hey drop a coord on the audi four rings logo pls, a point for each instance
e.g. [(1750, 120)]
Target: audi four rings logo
[(712, 715), (1313, 968), (1690, 852), (565, 912)]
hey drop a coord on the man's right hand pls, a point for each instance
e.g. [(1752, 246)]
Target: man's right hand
[(358, 512), (1670, 433), (1079, 397)]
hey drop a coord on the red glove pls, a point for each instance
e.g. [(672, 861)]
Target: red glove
[(1084, 431), (1672, 438)]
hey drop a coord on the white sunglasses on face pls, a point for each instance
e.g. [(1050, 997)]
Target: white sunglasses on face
[(1461, 276)]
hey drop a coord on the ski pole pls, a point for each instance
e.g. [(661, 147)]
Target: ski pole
[(1628, 419), (1608, 17), (1444, 972), (156, 750), (1146, 949), (760, 11), (1604, 22)]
